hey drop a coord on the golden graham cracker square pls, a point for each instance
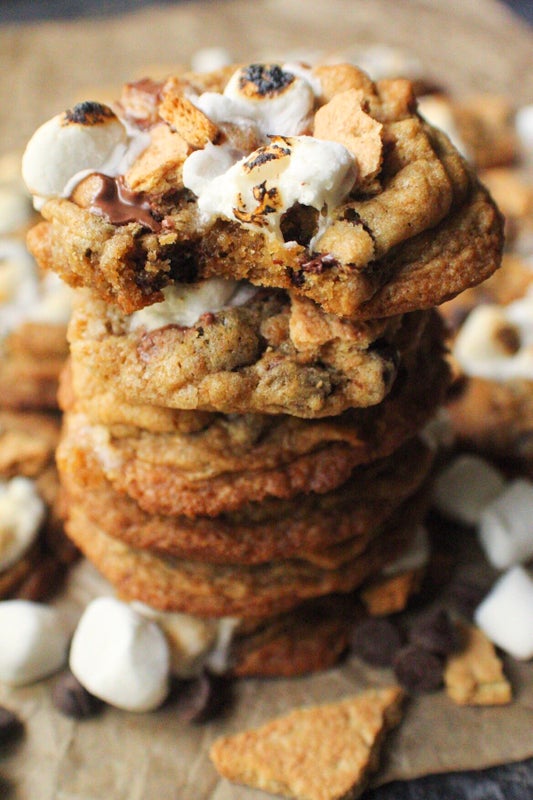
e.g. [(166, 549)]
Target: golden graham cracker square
[(474, 676), (322, 752)]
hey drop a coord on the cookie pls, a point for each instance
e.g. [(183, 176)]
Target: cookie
[(272, 355), (316, 753), (237, 459), (258, 590), (258, 532), (331, 187)]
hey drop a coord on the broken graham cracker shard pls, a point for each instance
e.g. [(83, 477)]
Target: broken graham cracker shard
[(322, 752), (474, 676)]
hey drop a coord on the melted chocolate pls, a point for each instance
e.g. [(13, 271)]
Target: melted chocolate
[(120, 205)]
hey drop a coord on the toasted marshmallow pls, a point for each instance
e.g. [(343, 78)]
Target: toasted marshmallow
[(259, 189), (279, 101), (465, 486), (33, 642), (22, 512), (496, 342), (120, 656), (506, 614), (505, 530), (87, 138), (437, 110), (184, 303), (194, 641)]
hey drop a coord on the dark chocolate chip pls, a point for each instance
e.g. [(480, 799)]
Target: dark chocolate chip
[(72, 699), (202, 698), (418, 670), (10, 726), (376, 641), (435, 632), (466, 596)]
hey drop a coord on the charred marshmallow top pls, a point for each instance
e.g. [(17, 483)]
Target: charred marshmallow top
[(289, 168), (87, 138), (496, 342)]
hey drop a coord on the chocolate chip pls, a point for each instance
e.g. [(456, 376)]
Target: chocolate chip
[(72, 699), (10, 726), (435, 632), (417, 670), (376, 641), (202, 698), (466, 596)]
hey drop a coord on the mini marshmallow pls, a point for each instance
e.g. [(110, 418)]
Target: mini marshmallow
[(22, 512), (209, 59), (54, 305), (260, 188), (465, 486), (184, 304), (87, 138), (506, 529), (506, 614), (279, 101), (524, 130), (120, 656), (19, 285), (15, 208), (415, 557), (437, 110), (33, 642), (482, 345)]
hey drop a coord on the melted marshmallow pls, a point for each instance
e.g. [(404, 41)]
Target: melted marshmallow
[(184, 303), (480, 348), (260, 188)]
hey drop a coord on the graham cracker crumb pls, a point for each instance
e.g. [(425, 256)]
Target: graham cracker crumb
[(318, 753), (474, 676), (184, 118)]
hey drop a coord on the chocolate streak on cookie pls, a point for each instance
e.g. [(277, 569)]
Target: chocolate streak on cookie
[(120, 205)]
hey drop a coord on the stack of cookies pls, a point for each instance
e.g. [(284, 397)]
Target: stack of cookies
[(254, 350)]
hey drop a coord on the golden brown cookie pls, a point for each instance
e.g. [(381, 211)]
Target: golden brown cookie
[(273, 354), (258, 532), (378, 181)]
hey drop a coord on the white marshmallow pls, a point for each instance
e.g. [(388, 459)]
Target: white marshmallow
[(506, 528), (184, 303), (64, 147), (19, 284), (15, 208), (208, 59), (437, 110), (120, 656), (415, 557), (194, 641), (524, 130), (284, 109), (33, 642), (506, 614), (22, 512), (257, 190), (54, 305), (480, 352), (465, 486)]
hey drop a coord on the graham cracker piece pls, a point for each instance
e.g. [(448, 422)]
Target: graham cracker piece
[(343, 120), (474, 676), (321, 752), (183, 116), (390, 594), (158, 167)]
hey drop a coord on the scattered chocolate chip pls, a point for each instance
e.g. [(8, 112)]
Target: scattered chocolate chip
[(10, 726), (376, 641), (72, 699), (435, 632), (202, 698), (417, 670)]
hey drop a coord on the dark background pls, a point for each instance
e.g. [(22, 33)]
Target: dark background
[(22, 10)]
